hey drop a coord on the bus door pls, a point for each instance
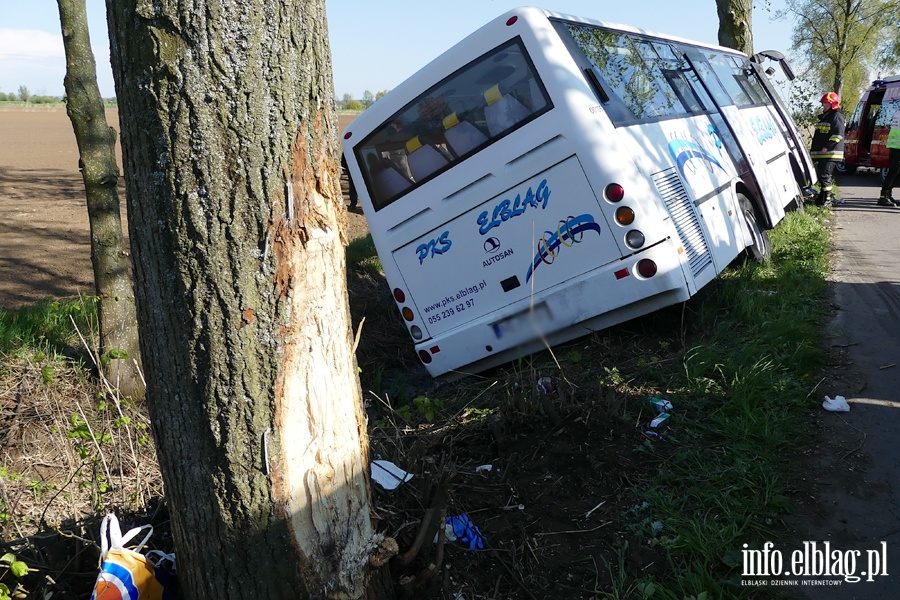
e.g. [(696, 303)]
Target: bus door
[(783, 118), (743, 105)]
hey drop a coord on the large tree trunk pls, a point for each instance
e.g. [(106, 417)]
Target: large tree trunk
[(736, 24), (227, 113), (119, 347)]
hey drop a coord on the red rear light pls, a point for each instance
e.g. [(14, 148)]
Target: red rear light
[(511, 21), (424, 356), (399, 296), (348, 135), (646, 268), (614, 192)]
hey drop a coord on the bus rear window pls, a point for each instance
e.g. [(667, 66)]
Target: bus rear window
[(466, 112)]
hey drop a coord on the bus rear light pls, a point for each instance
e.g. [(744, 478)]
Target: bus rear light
[(407, 313), (622, 273), (424, 356), (634, 238), (624, 215), (646, 268), (614, 192), (416, 332), (511, 21), (399, 296), (348, 135)]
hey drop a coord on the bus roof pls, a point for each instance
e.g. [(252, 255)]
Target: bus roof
[(444, 63), (630, 29)]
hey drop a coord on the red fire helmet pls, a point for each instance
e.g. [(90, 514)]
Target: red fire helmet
[(833, 99)]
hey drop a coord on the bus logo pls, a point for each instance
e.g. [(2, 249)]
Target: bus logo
[(683, 151), (568, 233), (432, 247), (507, 209), (491, 245)]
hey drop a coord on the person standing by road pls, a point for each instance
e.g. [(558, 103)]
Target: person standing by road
[(893, 174), (827, 146)]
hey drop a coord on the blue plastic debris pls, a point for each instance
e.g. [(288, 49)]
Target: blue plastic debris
[(466, 532)]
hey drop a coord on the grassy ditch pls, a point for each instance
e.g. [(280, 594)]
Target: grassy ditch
[(739, 364), (549, 456)]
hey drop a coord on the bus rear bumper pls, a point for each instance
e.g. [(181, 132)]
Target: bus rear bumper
[(599, 299)]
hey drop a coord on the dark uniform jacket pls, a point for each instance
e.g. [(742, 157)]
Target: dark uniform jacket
[(828, 139)]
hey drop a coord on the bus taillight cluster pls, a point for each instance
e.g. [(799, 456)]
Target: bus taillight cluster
[(408, 315), (634, 238)]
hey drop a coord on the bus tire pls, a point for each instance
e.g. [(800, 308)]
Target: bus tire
[(799, 201), (760, 249), (844, 169)]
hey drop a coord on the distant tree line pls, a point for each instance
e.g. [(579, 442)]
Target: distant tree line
[(368, 98), (25, 96)]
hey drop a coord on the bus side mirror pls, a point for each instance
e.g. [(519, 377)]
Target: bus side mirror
[(777, 57)]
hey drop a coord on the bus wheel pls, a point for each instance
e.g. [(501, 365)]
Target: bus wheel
[(760, 249), (798, 203), (844, 169)]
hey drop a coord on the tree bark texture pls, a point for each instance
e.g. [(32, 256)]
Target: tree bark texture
[(119, 345), (227, 112), (736, 24)]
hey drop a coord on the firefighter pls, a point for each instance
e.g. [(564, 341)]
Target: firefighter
[(893, 174), (827, 147)]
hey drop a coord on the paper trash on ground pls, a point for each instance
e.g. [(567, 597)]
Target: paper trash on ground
[(388, 475), (836, 404)]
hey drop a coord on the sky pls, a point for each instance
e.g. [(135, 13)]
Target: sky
[(373, 48)]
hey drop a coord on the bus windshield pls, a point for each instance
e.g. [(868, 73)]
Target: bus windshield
[(466, 112)]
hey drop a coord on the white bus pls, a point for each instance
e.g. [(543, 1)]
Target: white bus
[(550, 176)]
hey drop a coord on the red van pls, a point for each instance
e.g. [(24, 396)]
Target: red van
[(868, 127)]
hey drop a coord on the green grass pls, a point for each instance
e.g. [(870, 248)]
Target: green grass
[(48, 326), (739, 368), (361, 255), (725, 478)]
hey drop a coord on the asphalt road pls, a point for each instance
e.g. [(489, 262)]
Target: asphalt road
[(857, 491)]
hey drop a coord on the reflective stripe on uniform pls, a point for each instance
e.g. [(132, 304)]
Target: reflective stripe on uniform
[(893, 139)]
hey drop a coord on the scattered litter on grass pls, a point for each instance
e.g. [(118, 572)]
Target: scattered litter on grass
[(661, 405), (484, 469), (388, 475), (654, 435), (466, 532), (836, 404), (546, 386), (660, 419)]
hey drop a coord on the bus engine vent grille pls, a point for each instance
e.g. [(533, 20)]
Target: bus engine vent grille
[(685, 218)]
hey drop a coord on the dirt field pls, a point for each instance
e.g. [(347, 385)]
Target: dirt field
[(44, 231)]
